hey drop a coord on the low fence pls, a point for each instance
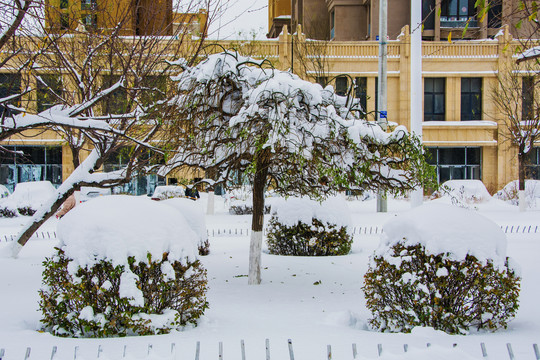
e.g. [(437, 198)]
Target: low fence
[(229, 231), (354, 353)]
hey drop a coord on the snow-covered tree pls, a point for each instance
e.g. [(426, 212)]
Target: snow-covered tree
[(236, 115)]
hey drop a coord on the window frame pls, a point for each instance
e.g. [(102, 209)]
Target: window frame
[(435, 94), (471, 114)]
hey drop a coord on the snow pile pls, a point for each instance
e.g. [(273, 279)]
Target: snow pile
[(510, 192), (193, 213), (428, 353), (117, 227), (464, 191), (445, 229), (32, 194), (291, 211)]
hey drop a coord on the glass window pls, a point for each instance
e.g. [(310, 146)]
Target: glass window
[(153, 88), (322, 80), (456, 163), (48, 91), (527, 98), (117, 101), (495, 15), (428, 14), (342, 85), (434, 99), (361, 92), (471, 99), (36, 163), (64, 21), (64, 4), (532, 164), (10, 84)]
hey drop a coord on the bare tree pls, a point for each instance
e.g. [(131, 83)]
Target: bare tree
[(519, 104), (112, 85)]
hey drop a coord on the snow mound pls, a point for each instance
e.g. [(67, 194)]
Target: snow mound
[(446, 229), (468, 191), (293, 210), (117, 227), (193, 213), (30, 194), (510, 192)]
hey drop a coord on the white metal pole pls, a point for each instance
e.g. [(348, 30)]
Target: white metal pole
[(382, 115), (416, 84)]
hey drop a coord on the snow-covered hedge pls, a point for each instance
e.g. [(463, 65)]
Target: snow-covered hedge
[(463, 193), (194, 215), (26, 199), (443, 267), (304, 227), (124, 266)]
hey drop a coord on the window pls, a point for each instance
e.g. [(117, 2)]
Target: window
[(153, 88), (434, 99), (332, 24), (495, 16), (428, 14), (456, 163), (532, 164), (88, 4), (361, 92), (64, 22), (10, 84), (90, 21), (48, 91), (527, 98), (36, 163), (342, 85), (64, 4), (322, 80), (117, 101), (471, 99), (456, 13)]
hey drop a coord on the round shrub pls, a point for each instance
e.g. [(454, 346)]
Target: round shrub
[(303, 227), (125, 266), (105, 300), (434, 275)]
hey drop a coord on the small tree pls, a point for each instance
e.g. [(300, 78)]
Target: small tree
[(514, 95), (237, 115)]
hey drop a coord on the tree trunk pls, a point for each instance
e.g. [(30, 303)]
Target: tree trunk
[(521, 182), (259, 184), (75, 156), (41, 216)]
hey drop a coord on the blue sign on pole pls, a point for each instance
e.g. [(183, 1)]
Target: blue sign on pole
[(384, 114)]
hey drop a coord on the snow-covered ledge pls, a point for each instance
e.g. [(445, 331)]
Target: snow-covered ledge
[(465, 123)]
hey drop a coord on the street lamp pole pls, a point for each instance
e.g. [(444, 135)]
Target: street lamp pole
[(382, 114), (416, 84)]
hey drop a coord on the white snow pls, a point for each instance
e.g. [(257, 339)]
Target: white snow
[(291, 211), (446, 229), (287, 305), (117, 227), (468, 191), (29, 194), (193, 213)]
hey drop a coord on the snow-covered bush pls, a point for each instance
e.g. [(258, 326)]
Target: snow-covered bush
[(124, 266), (304, 227), (463, 193), (26, 199), (194, 215), (240, 201), (510, 193), (443, 267), (168, 192)]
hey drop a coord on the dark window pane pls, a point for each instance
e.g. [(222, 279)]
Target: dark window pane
[(527, 98), (471, 99), (451, 156), (361, 91), (48, 91), (431, 156), (341, 85), (473, 156)]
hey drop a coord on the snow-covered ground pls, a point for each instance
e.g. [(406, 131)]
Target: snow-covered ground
[(314, 302)]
